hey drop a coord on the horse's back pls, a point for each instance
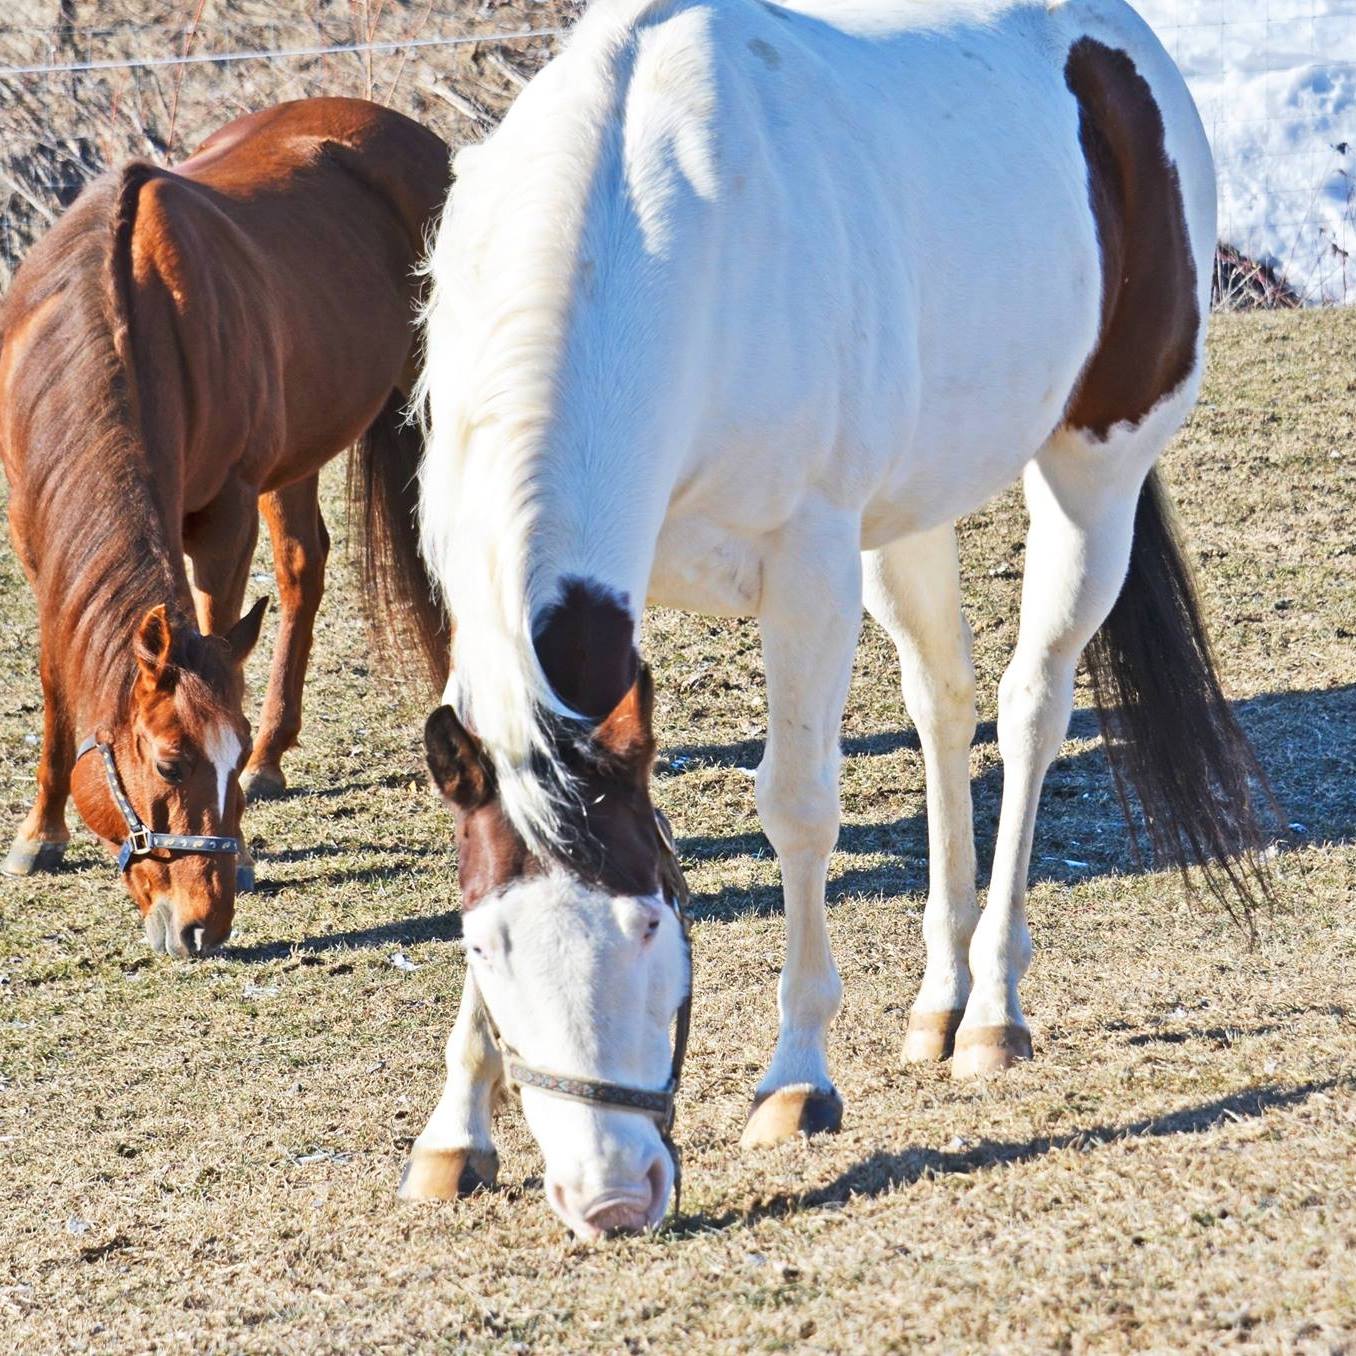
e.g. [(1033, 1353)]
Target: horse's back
[(994, 210), (272, 149), (273, 270)]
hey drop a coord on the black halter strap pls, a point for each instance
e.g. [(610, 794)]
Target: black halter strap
[(659, 1104), (140, 841)]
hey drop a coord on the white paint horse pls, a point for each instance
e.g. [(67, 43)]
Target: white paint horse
[(737, 311)]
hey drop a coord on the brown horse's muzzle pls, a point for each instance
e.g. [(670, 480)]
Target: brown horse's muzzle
[(187, 904), (188, 941)]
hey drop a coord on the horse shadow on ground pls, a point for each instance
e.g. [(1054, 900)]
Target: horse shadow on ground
[(883, 1172), (438, 927), (1306, 742)]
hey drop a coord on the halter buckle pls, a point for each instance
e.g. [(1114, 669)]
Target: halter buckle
[(139, 840)]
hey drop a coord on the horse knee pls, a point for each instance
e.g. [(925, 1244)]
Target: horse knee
[(798, 815), (945, 713), (1035, 701), (301, 572)]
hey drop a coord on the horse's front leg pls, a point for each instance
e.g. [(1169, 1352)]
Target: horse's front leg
[(41, 840), (810, 619), (455, 1154)]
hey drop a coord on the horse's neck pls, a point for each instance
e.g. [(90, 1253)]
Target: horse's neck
[(109, 557)]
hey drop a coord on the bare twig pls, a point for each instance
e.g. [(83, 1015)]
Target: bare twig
[(466, 107), (189, 35), (415, 32), (506, 68), (21, 190)]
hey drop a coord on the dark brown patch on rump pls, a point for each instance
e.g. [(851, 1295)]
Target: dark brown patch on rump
[(1150, 316), (585, 644)]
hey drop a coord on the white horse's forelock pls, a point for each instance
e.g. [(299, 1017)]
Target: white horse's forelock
[(501, 279)]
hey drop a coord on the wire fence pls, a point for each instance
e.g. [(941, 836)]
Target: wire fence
[(1275, 81), (154, 78)]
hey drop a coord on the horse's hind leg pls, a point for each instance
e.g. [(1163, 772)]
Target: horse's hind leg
[(455, 1153), (219, 541), (912, 589), (301, 547), (41, 840), (1081, 497)]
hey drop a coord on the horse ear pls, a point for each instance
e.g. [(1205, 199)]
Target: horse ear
[(456, 761), (154, 642), (244, 635), (626, 736)]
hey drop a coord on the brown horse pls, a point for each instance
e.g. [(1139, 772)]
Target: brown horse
[(184, 348)]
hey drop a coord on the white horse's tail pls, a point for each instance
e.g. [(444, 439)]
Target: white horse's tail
[(1168, 727)]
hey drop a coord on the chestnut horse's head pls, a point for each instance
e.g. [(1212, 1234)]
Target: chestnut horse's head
[(582, 961), (177, 749)]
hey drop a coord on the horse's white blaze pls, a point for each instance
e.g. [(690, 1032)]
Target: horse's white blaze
[(223, 749), (585, 985), (736, 292)]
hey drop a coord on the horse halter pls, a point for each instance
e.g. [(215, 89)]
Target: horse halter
[(141, 841), (658, 1105)]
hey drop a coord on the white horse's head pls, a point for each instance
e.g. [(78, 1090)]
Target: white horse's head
[(582, 963)]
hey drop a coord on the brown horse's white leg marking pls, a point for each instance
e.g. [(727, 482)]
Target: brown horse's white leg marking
[(810, 621), (455, 1153), (301, 547), (912, 589)]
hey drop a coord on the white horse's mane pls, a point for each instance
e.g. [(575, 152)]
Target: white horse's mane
[(502, 278)]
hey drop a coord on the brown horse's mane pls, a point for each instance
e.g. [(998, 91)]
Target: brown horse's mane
[(94, 508)]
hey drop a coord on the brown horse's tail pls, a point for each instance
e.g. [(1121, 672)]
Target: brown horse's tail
[(401, 599), (1168, 729)]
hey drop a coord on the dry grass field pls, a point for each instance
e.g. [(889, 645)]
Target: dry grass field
[(58, 129), (203, 1157)]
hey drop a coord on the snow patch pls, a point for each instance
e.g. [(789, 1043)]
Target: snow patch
[(1276, 84)]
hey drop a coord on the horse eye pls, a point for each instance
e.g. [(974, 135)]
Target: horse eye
[(173, 773), (651, 928)]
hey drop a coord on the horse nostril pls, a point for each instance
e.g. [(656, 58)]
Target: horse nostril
[(158, 924), (659, 1180), (192, 939)]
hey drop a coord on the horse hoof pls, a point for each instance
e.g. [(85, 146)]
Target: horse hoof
[(446, 1174), (931, 1036), (28, 858), (788, 1112), (263, 783), (244, 877), (989, 1049)]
